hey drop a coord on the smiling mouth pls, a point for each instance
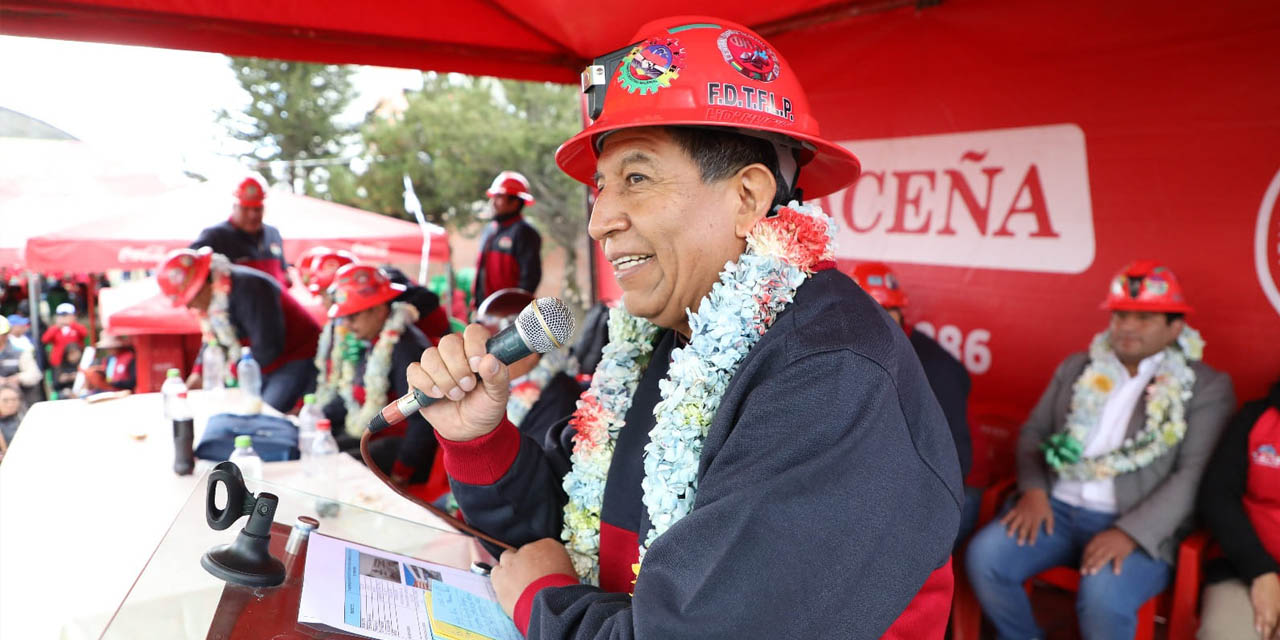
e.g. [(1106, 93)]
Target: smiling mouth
[(622, 263)]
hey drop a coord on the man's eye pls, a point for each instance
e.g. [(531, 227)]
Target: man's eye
[(636, 178)]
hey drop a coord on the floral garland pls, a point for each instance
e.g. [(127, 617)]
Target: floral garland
[(328, 361), (215, 322), (525, 393), (1166, 423), (377, 371), (782, 250)]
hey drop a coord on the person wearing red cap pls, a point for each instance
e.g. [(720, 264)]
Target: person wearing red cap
[(239, 306), (373, 346), (244, 239), (947, 377), (317, 267), (1108, 464), (510, 248), (759, 454)]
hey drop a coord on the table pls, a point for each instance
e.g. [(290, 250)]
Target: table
[(83, 505)]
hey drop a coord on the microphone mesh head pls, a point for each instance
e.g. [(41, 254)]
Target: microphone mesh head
[(550, 331)]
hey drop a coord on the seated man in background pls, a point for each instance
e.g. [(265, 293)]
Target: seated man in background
[(432, 320), (317, 267), (378, 342), (17, 366), (64, 374), (1108, 464), (947, 377), (12, 410), (115, 369), (65, 331), (240, 306), (1240, 505)]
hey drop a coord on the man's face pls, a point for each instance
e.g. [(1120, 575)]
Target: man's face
[(368, 323), (200, 302), (504, 205), (666, 232), (63, 319), (9, 401), (1136, 335), (18, 330), (246, 218)]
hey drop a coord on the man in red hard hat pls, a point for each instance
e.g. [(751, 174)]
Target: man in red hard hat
[(240, 306), (510, 248), (947, 377), (244, 239), (376, 343), (754, 421), (1108, 465), (318, 265)]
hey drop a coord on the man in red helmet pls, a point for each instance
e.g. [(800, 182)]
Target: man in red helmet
[(240, 306), (755, 421), (947, 377), (317, 267), (377, 342), (1108, 465), (244, 239), (510, 248)]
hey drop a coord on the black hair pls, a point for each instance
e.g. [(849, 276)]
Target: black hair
[(1169, 318), (720, 153)]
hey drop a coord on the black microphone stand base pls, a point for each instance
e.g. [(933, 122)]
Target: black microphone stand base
[(246, 561)]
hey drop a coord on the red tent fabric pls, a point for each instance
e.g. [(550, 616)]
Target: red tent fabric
[(137, 308), (141, 231)]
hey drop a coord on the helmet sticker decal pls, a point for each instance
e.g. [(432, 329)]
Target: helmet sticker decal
[(651, 65), (727, 94), (749, 56)]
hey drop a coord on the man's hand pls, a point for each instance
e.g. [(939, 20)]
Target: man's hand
[(1024, 519), (1265, 594), (1111, 545), (518, 569), (445, 371), (195, 381)]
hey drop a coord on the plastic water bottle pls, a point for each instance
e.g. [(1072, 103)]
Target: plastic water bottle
[(250, 375), (173, 385), (307, 419), (214, 362), (184, 460), (321, 469), (247, 459)]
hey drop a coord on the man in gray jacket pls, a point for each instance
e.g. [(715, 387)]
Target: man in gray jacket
[(1108, 465)]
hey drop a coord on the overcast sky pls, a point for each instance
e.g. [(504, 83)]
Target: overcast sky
[(139, 100)]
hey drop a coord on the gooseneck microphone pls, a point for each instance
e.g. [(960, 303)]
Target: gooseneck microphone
[(543, 326)]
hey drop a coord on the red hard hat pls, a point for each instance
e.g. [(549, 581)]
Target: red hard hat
[(705, 72), (360, 286), (878, 280), (511, 183), (318, 266), (182, 273), (500, 309), (1146, 285), (250, 192)]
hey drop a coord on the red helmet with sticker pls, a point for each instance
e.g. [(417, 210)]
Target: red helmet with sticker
[(250, 193), (182, 273), (705, 72), (357, 287), (877, 279), (511, 183), (319, 265), (1146, 285)]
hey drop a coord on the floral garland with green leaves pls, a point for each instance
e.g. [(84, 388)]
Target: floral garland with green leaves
[(215, 322), (782, 251), (525, 392), (377, 371), (1166, 423), (328, 361)]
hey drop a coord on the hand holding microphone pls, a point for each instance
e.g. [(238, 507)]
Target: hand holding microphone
[(448, 372)]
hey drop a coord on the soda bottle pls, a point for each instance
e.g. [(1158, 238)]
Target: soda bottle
[(173, 385), (307, 419), (214, 362), (250, 376), (247, 459), (321, 468), (184, 460)]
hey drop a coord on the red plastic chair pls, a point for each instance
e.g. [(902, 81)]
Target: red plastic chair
[(1184, 615)]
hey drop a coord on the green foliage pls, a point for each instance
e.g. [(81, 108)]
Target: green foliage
[(291, 117)]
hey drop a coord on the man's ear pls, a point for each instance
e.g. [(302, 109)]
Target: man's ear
[(754, 188)]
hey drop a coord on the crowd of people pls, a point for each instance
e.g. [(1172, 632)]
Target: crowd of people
[(754, 443)]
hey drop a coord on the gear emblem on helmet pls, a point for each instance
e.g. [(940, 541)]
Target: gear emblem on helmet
[(749, 56), (651, 65)]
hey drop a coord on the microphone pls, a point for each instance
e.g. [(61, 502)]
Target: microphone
[(543, 326)]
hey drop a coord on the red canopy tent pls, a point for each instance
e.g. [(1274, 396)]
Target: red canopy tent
[(1016, 154), (141, 231)]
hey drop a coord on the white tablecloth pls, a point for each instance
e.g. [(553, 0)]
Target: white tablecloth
[(83, 504)]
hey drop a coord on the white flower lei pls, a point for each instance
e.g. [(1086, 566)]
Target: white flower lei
[(215, 322), (781, 252), (377, 371), (328, 361), (525, 394), (1166, 423)]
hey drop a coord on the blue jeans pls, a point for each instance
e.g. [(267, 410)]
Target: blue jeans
[(968, 515), (284, 387), (1107, 604)]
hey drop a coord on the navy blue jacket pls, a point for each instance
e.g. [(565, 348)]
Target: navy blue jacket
[(950, 383), (263, 251), (829, 491), (510, 256)]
